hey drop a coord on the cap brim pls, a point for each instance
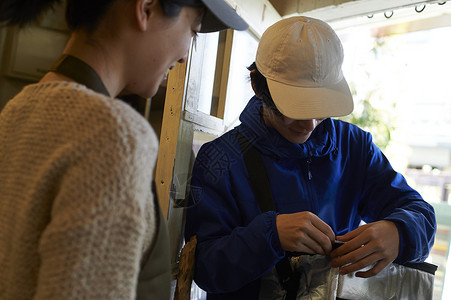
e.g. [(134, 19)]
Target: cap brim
[(219, 16), (302, 103)]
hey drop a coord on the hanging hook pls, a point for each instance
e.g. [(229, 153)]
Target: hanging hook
[(370, 16), (388, 16), (441, 3), (420, 10)]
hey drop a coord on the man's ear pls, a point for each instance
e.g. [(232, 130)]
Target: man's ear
[(144, 10)]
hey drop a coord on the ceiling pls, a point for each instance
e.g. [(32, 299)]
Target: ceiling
[(335, 10)]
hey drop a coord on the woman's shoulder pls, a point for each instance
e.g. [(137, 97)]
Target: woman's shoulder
[(85, 109), (77, 114)]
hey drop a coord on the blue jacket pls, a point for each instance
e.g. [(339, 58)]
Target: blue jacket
[(338, 174)]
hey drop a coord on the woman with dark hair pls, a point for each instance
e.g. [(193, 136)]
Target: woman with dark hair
[(77, 214)]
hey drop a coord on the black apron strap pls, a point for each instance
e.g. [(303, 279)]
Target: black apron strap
[(258, 177), (80, 72)]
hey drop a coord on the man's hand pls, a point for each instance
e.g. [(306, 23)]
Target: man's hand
[(304, 232), (375, 243)]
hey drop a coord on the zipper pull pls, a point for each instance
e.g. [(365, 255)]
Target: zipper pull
[(309, 161)]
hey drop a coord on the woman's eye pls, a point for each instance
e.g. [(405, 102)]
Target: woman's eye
[(195, 36)]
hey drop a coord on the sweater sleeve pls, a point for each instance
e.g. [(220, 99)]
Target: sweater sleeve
[(92, 246), (231, 253), (388, 196)]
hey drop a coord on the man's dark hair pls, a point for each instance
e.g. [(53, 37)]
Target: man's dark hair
[(261, 88)]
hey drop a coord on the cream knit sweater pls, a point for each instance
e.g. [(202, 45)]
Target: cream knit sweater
[(76, 208)]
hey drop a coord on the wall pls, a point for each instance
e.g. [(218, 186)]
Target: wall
[(259, 14), (40, 45), (334, 10), (8, 86)]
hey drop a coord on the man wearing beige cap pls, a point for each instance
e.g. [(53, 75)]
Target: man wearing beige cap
[(292, 179)]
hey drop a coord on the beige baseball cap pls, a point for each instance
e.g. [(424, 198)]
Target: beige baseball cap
[(301, 59)]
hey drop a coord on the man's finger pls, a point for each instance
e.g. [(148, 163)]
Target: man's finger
[(379, 266)]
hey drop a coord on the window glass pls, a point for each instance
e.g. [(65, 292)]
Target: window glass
[(239, 89), (398, 74), (208, 72)]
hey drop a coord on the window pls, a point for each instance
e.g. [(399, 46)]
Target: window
[(398, 72)]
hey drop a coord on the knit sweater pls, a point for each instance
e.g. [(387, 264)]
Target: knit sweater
[(76, 208)]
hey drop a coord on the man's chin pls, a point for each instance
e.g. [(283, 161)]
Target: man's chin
[(298, 139)]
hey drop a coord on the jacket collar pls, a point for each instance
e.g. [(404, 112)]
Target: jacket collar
[(267, 140)]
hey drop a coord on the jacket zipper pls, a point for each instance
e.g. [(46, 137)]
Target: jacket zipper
[(309, 162), (314, 205)]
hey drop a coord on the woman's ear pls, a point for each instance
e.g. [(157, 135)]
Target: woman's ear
[(144, 10)]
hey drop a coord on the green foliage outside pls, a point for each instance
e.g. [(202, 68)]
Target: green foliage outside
[(367, 114), (376, 121)]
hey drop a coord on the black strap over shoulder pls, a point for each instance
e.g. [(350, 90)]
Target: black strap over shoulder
[(80, 72), (257, 174), (258, 177)]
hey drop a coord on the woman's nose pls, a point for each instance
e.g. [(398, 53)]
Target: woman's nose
[(183, 59)]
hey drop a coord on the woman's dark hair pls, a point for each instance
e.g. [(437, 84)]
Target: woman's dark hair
[(14, 12), (88, 13), (79, 13), (170, 9), (261, 88)]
